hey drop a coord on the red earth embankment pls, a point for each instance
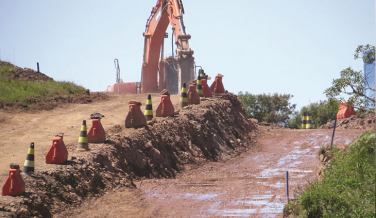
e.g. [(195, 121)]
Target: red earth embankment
[(213, 130)]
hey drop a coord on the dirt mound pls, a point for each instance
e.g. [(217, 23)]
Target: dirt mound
[(362, 121), (4, 63), (49, 103), (216, 129), (37, 104), (27, 74), (268, 126)]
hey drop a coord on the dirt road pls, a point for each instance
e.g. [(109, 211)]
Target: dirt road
[(250, 185), (17, 131)]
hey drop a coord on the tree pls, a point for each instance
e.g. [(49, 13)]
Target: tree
[(271, 108), (351, 82), (320, 112)]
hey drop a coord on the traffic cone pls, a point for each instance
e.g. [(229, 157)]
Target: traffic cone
[(135, 117), (201, 73), (29, 162), (192, 95), (199, 87), (306, 121), (96, 133), (14, 185), (58, 153), (148, 109), (205, 89), (165, 107), (82, 140), (183, 96), (217, 85), (308, 125)]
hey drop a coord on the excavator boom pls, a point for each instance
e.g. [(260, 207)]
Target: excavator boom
[(165, 12)]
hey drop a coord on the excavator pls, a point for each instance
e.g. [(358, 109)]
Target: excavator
[(157, 72)]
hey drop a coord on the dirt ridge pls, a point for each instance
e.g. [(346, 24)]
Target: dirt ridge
[(213, 130), (361, 121)]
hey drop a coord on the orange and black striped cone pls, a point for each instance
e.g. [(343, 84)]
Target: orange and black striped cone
[(82, 140), (29, 162), (199, 87), (201, 73), (183, 96), (148, 109)]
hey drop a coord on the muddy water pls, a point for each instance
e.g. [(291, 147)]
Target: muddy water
[(250, 185)]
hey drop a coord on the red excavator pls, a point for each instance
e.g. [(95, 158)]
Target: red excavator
[(160, 73)]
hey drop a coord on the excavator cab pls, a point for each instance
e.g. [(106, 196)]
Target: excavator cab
[(157, 72)]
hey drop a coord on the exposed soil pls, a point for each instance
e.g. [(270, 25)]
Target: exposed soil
[(38, 104), (27, 74), (204, 161), (34, 105), (214, 130), (252, 184), (362, 121)]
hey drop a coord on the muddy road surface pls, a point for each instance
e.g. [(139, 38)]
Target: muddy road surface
[(252, 184)]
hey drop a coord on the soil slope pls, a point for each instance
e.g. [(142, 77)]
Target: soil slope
[(252, 184), (362, 121), (213, 130)]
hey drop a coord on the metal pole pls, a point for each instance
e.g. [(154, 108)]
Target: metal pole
[(334, 130), (117, 67), (195, 69), (287, 186), (172, 43), (38, 66)]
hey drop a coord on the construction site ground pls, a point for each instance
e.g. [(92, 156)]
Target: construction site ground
[(247, 183)]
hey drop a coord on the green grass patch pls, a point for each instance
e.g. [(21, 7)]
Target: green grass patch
[(348, 186), (15, 90), (5, 69)]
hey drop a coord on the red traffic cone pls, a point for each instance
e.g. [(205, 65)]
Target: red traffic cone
[(205, 89), (165, 107), (14, 185), (192, 95), (135, 118), (58, 153), (217, 85), (96, 133)]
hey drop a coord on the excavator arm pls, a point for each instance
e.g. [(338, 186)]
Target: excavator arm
[(165, 12)]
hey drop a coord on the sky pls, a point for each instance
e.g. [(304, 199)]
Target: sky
[(260, 46)]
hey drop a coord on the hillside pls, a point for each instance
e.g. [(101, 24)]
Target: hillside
[(23, 89)]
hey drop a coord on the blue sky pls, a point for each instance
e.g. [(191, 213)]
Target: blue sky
[(261, 46)]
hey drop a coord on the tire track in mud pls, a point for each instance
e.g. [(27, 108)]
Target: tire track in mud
[(250, 185)]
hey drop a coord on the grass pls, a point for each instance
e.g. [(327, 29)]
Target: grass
[(348, 186), (14, 90)]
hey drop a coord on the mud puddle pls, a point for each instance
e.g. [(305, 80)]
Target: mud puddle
[(253, 185), (250, 185)]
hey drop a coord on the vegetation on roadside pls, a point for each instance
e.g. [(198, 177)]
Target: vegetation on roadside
[(271, 108), (352, 83), (15, 90), (320, 113), (347, 188)]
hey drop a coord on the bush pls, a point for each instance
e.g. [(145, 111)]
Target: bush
[(320, 112), (348, 186), (271, 108)]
